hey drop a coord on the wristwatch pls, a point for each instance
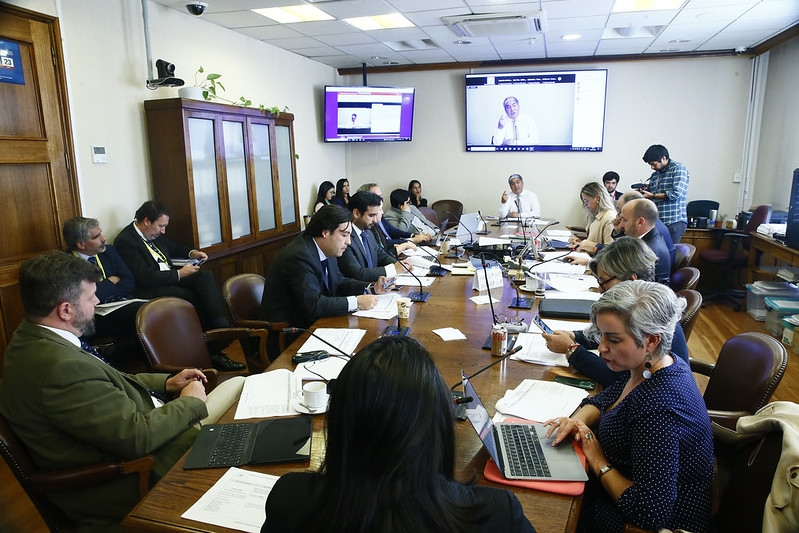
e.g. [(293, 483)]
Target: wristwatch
[(604, 470)]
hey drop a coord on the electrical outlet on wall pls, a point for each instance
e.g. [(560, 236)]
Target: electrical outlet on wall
[(736, 178)]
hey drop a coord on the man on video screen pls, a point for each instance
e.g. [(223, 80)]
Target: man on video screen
[(513, 127)]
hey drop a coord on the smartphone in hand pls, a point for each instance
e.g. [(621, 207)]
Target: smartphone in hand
[(542, 326)]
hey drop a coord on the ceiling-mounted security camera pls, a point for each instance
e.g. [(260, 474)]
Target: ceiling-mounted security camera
[(740, 50), (196, 8)]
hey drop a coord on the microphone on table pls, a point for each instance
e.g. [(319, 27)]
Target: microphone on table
[(540, 233), (312, 334), (420, 296), (485, 230), (433, 270), (488, 289), (510, 352)]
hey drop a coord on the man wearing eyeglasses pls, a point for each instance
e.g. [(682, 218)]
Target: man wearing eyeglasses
[(638, 218)]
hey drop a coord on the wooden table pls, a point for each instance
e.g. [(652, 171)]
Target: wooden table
[(447, 306), (762, 244)]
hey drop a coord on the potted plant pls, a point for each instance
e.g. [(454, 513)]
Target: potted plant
[(209, 88)]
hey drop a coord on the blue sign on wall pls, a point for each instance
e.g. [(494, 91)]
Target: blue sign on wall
[(10, 64)]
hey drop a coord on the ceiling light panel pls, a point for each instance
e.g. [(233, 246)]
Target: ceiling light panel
[(379, 22), (292, 14), (627, 6)]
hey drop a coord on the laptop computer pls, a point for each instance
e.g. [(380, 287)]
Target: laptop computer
[(279, 440), (521, 450)]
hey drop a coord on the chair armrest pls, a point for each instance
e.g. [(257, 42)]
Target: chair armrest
[(262, 335), (211, 374), (728, 419), (223, 334), (91, 475), (701, 367), (261, 324)]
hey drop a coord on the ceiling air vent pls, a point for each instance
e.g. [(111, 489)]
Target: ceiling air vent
[(498, 24)]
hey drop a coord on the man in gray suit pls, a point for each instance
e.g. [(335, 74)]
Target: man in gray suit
[(70, 408)]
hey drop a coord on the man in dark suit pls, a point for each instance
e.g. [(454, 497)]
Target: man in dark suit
[(304, 283), (364, 259), (611, 180), (85, 239), (72, 409), (638, 218), (148, 254)]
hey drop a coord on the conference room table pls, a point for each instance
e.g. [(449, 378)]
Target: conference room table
[(448, 306)]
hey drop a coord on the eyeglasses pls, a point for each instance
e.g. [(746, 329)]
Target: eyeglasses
[(586, 202), (603, 283)]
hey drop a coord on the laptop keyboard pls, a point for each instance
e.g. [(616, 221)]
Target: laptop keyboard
[(523, 452), (230, 444)]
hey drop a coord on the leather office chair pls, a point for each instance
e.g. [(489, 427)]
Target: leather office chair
[(243, 294), (39, 483), (700, 208), (454, 208), (693, 301), (431, 215), (746, 373), (173, 339), (731, 260), (684, 278), (683, 254)]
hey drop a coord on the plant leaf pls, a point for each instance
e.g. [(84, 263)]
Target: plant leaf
[(214, 76)]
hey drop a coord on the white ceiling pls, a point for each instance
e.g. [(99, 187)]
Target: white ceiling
[(697, 26)]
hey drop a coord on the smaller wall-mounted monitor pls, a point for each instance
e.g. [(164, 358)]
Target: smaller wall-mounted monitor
[(536, 111), (364, 114)]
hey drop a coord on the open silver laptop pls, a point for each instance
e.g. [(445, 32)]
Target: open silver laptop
[(522, 451)]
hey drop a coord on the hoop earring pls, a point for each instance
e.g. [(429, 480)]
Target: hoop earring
[(648, 364)]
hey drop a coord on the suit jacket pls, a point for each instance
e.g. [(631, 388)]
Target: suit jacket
[(71, 409), (113, 265), (144, 267), (353, 263), (654, 240), (295, 291), (664, 231)]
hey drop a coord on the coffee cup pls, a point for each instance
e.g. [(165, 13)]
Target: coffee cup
[(443, 246), (531, 283), (403, 310), (314, 394)]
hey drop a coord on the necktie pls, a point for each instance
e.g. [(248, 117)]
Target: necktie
[(515, 132), (325, 276), (367, 251), (92, 259), (86, 347)]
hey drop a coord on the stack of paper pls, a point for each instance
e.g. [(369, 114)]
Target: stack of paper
[(534, 350), (345, 339), (269, 394), (386, 308), (540, 400)]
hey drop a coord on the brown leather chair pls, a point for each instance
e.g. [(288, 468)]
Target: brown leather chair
[(173, 339), (243, 294), (430, 215), (39, 483), (683, 254), (693, 300), (746, 373), (728, 261), (453, 208), (685, 278)]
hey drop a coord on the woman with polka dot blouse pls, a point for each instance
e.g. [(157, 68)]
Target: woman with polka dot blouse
[(647, 437)]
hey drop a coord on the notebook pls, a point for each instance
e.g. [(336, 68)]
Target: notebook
[(522, 451), (278, 440)]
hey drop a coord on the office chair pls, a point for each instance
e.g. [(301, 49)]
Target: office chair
[(454, 208), (173, 339), (431, 215), (700, 208), (745, 375), (683, 254), (693, 300), (39, 483), (731, 260), (243, 294), (684, 278)]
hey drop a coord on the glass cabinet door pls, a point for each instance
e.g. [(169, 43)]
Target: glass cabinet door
[(285, 163), (236, 170), (206, 190), (262, 164)]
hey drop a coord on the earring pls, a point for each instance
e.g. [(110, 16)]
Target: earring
[(648, 365)]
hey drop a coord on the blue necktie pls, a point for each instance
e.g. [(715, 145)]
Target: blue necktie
[(86, 347), (368, 252), (325, 276)]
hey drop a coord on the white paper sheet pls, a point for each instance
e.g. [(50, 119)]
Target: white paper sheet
[(326, 369), (346, 339), (563, 283), (236, 501), (105, 309), (540, 400), (386, 308), (450, 334), (417, 271), (534, 350), (482, 299), (403, 281), (491, 241), (582, 295), (268, 394)]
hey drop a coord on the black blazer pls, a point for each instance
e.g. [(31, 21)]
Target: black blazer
[(295, 291), (353, 263), (654, 240), (144, 267)]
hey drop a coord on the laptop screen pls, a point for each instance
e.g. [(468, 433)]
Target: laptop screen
[(480, 419)]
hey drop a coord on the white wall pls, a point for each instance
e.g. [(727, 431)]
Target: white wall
[(103, 42), (694, 107), (778, 154)]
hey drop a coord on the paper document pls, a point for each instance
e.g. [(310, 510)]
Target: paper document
[(534, 350), (560, 234), (420, 261), (491, 241), (268, 394), (565, 283), (450, 334), (386, 308), (110, 307), (432, 252), (538, 400), (559, 267), (236, 501), (417, 271), (482, 299), (403, 281), (346, 339), (326, 369), (580, 295)]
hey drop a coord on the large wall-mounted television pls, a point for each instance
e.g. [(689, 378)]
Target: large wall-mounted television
[(363, 114), (536, 111)]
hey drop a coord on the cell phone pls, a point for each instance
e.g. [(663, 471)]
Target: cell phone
[(389, 282), (309, 356), (542, 326), (586, 384), (198, 262)]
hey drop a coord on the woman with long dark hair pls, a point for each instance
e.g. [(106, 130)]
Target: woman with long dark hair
[(415, 188), (342, 196), (324, 196), (390, 457)]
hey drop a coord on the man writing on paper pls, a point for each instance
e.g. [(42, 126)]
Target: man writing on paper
[(70, 408), (514, 128), (364, 259), (638, 217), (304, 282), (521, 203)]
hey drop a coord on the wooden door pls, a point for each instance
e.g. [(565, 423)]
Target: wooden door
[(38, 186)]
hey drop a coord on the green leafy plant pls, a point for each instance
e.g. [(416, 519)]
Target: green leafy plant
[(212, 88)]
